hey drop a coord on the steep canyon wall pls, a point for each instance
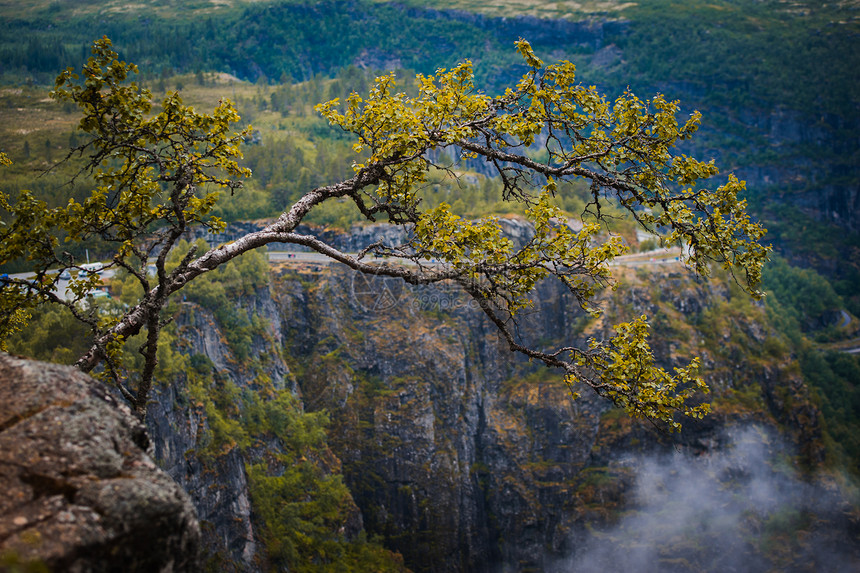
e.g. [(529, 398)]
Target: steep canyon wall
[(458, 454)]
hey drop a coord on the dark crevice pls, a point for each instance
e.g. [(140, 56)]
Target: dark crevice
[(47, 486), (20, 417), (140, 438)]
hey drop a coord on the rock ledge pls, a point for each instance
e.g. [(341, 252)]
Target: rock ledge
[(79, 492)]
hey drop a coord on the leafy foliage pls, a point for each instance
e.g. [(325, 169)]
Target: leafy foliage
[(545, 135), (18, 317), (643, 389), (149, 169), (621, 148)]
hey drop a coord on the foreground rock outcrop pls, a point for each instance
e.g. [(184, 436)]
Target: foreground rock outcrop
[(79, 492)]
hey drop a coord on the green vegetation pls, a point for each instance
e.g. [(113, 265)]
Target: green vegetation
[(157, 172), (748, 54), (735, 58), (836, 378), (154, 175), (223, 290), (53, 335), (277, 41), (806, 309), (755, 52), (549, 9), (802, 298), (306, 511), (833, 252)]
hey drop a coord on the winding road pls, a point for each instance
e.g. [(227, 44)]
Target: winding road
[(658, 257)]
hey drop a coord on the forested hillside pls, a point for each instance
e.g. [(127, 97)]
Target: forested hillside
[(353, 438), (775, 80)]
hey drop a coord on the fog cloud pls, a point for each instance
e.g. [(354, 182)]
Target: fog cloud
[(740, 509)]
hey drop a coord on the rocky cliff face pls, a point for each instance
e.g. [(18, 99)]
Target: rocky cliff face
[(79, 491), (218, 487), (181, 428), (466, 458), (458, 454), (790, 158)]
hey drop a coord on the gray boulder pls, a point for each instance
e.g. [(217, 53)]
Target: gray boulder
[(77, 490)]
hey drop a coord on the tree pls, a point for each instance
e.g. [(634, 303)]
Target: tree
[(149, 170), (545, 130)]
